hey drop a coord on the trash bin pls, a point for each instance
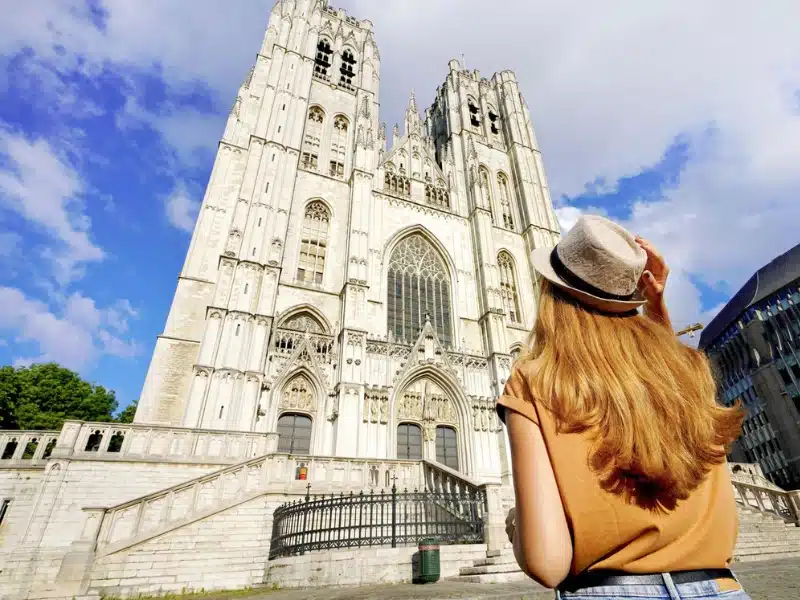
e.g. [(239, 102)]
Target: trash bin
[(429, 570)]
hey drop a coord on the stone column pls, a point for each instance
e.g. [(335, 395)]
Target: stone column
[(494, 525), (76, 566), (794, 500)]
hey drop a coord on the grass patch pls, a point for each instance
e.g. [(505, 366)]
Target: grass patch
[(199, 595)]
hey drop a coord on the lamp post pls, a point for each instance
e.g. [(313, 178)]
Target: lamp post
[(690, 330)]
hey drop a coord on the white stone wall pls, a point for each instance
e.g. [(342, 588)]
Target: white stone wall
[(38, 538), (363, 566), (21, 487), (228, 550)]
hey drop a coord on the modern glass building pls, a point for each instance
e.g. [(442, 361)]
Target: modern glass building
[(754, 346)]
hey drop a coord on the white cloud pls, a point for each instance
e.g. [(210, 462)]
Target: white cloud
[(184, 41), (76, 339), (39, 185), (568, 215), (610, 85), (181, 209)]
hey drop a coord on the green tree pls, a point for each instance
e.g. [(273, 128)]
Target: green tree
[(9, 396), (44, 396), (126, 414)]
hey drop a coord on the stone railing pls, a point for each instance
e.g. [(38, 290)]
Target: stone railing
[(783, 504), (132, 522), (116, 441), (109, 530), (444, 480), (751, 474), (26, 448), (453, 485), (334, 473)]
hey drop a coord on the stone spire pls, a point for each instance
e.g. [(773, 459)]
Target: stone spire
[(412, 115)]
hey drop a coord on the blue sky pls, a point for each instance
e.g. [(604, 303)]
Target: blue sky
[(110, 112)]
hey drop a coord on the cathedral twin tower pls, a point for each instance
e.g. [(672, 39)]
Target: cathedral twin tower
[(358, 300)]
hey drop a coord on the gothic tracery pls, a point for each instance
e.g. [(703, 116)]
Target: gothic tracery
[(418, 289)]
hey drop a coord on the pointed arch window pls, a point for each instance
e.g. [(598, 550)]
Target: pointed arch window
[(508, 287), (494, 121), (294, 434), (418, 288), (322, 61), (313, 243), (505, 201), (311, 140), (339, 146), (515, 354), (447, 447), (409, 442), (348, 69), (474, 119)]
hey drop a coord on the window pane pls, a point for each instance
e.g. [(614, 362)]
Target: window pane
[(294, 434), (409, 442), (447, 447)]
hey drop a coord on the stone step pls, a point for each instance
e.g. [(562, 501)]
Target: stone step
[(766, 537), (762, 518), (790, 531), (496, 560), (769, 527), (489, 569), (763, 556), (775, 546), (498, 578)]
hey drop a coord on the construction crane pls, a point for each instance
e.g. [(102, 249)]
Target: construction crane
[(690, 330)]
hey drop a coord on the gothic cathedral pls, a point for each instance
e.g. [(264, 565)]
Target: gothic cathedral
[(361, 297)]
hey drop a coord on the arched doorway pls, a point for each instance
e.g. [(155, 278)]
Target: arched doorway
[(427, 425)]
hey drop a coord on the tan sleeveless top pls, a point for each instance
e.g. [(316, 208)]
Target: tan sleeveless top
[(610, 533)]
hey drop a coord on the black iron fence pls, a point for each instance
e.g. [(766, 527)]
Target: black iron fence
[(377, 519)]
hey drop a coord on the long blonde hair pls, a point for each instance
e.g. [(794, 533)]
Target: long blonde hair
[(647, 399)]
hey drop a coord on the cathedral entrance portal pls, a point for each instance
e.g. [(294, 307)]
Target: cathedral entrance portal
[(427, 424)]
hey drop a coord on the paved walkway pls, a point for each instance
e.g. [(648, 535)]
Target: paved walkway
[(774, 580)]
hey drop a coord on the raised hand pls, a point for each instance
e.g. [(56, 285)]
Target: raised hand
[(654, 278), (653, 282)]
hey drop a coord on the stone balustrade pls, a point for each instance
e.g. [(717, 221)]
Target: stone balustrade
[(118, 527), (766, 499), (26, 448), (332, 473), (132, 522), (444, 480), (117, 441), (751, 474), (753, 490)]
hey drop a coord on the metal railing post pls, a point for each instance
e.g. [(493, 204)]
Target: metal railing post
[(394, 516)]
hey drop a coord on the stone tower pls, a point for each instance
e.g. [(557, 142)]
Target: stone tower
[(361, 300)]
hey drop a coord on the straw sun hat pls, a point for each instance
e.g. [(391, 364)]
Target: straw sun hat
[(598, 262)]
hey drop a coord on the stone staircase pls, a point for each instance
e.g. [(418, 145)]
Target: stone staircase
[(765, 536), (762, 536), (499, 566)]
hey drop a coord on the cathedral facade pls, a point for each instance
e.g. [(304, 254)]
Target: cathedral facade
[(361, 296), (349, 308)]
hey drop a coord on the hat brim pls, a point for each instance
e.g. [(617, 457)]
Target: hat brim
[(541, 262)]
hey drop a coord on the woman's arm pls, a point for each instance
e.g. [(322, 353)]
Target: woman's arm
[(541, 538)]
